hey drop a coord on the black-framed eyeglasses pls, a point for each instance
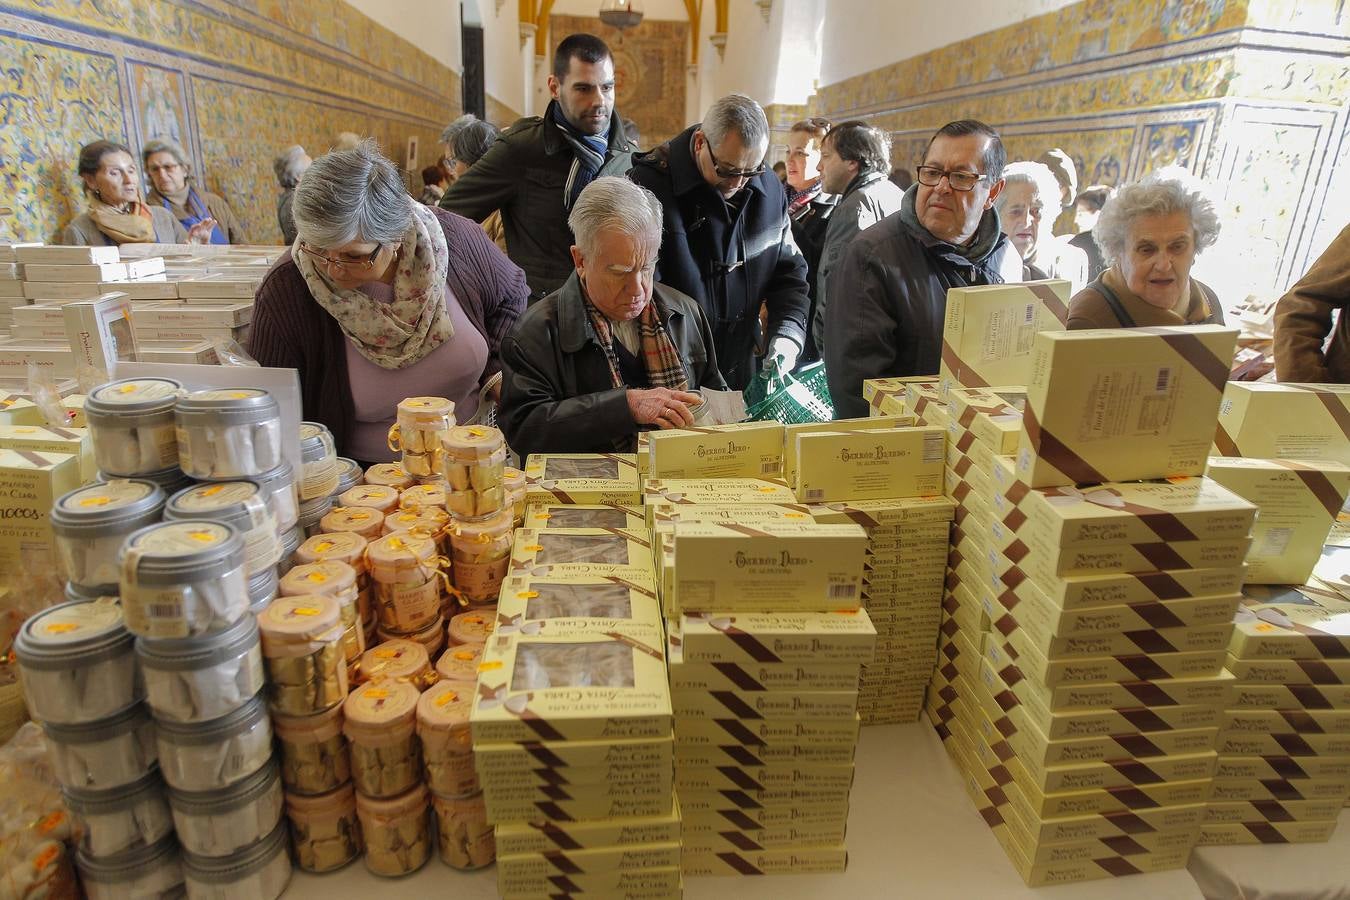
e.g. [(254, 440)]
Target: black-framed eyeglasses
[(931, 176), (724, 171), (344, 264)]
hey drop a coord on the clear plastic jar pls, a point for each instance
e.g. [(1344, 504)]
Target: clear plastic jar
[(78, 662), (90, 523), (475, 456), (202, 679), (318, 461), (398, 660), (416, 433), (337, 580), (380, 719), (262, 588), (183, 579), (346, 548), (303, 654), (324, 829), (389, 474), (396, 831), (430, 519), (432, 637), (349, 474), (460, 663), (259, 872), (154, 872), (103, 755), (463, 832), (472, 627), (480, 554), (206, 756), (313, 751), (430, 494), (112, 822), (226, 820), (240, 504), (312, 513), (405, 572), (282, 497), (228, 434), (513, 480), (447, 745), (131, 422), (380, 497), (362, 520)]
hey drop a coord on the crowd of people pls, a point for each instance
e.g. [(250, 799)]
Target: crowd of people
[(592, 290)]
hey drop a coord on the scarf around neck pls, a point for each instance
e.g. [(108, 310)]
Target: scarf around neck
[(135, 227), (981, 245), (397, 334), (659, 355), (588, 153), (799, 200)]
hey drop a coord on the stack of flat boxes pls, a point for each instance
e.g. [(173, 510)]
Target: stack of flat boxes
[(1080, 683), (11, 283)]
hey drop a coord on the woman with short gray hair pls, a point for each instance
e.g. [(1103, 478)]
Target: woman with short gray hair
[(207, 217), (381, 298), (612, 352), (289, 166), (1150, 233)]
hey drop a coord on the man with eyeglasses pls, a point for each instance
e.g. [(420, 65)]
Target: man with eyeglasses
[(888, 296), (728, 240), (537, 168)]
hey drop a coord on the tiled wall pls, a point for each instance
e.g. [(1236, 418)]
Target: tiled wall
[(234, 81), (1251, 94)]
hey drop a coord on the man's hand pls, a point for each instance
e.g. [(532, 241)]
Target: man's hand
[(787, 351), (201, 232), (662, 407)]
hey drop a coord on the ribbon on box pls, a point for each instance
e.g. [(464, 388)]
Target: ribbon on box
[(1164, 524), (1317, 483)]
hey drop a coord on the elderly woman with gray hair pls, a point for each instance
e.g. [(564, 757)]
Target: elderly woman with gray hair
[(611, 352), (1027, 208), (206, 216), (382, 298), (1150, 233), (289, 165)]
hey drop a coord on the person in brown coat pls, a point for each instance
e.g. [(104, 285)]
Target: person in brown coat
[(1303, 321), (1151, 231)]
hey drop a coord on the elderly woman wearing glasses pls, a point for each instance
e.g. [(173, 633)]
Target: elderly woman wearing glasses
[(382, 298), (206, 216), (116, 214)]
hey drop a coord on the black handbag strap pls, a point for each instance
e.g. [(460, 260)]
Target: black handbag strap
[(1123, 317)]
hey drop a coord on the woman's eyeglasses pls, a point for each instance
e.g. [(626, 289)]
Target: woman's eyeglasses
[(337, 262)]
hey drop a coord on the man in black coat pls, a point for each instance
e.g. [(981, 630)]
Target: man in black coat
[(727, 238), (539, 166)]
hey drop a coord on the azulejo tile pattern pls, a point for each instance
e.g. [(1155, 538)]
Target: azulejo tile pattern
[(234, 80)]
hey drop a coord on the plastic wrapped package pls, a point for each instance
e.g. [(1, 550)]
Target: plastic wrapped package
[(396, 832), (202, 679), (290, 543), (146, 873), (480, 554), (303, 653), (447, 745), (431, 520), (513, 480), (337, 580), (463, 832), (460, 663), (262, 588), (78, 662), (579, 601), (312, 513), (432, 637), (283, 499), (318, 461), (540, 666), (473, 627), (399, 660), (347, 548), (183, 579), (106, 754), (228, 434), (416, 433), (111, 822), (260, 871), (131, 422), (239, 504), (90, 523), (325, 831), (313, 749), (405, 571), (389, 474), (349, 474), (212, 755), (362, 520), (430, 494), (226, 820), (380, 721), (473, 463), (379, 497)]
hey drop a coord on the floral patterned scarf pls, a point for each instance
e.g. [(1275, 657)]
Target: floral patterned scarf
[(397, 334)]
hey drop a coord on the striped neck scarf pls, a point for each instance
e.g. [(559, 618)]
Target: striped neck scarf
[(659, 355)]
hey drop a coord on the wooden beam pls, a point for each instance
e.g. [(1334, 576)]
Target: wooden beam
[(695, 10), (722, 16), (541, 36)]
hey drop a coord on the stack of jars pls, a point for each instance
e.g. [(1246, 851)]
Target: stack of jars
[(474, 463), (347, 547), (417, 434)]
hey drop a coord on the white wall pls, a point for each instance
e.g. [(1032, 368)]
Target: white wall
[(504, 77), (430, 27), (862, 35)]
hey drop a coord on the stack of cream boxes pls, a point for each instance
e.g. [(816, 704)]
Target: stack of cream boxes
[(1082, 685), (572, 717)]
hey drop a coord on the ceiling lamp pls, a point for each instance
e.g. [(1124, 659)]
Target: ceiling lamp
[(621, 14)]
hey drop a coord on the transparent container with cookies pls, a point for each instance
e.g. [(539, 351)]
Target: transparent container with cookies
[(399, 659), (90, 523), (460, 663), (514, 482), (447, 745), (201, 679), (464, 836), (223, 821), (473, 464), (312, 513), (240, 504), (406, 580), (131, 424), (416, 432), (348, 548), (337, 580), (183, 579), (303, 651), (153, 871), (319, 473), (471, 627), (259, 871), (379, 497), (480, 554), (78, 662), (362, 520), (432, 637), (228, 434), (122, 819), (390, 474), (396, 831), (208, 756), (380, 722), (431, 493), (325, 830), (313, 750)]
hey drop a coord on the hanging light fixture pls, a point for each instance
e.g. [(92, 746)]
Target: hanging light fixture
[(621, 14)]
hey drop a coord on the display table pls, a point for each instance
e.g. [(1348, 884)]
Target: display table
[(1277, 871), (913, 833)]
